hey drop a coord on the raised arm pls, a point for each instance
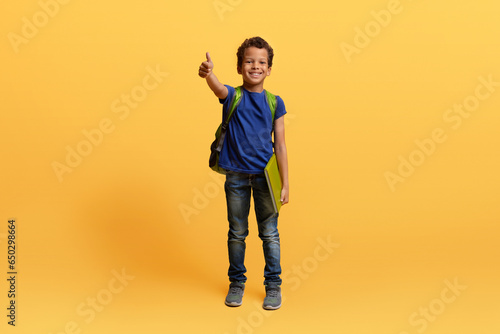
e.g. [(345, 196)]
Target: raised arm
[(206, 71)]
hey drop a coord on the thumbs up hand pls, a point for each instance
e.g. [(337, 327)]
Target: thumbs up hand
[(206, 71), (206, 67)]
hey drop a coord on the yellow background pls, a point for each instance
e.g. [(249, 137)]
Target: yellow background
[(348, 123)]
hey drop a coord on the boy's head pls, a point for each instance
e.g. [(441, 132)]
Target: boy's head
[(255, 58), (258, 43)]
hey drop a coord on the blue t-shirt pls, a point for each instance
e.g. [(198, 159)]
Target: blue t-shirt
[(248, 144)]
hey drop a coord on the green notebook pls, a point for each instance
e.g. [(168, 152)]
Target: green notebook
[(274, 182)]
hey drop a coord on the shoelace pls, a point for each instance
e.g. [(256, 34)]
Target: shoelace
[(235, 290), (274, 293)]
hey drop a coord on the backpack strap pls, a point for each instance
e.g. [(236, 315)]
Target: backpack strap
[(271, 101), (235, 101)]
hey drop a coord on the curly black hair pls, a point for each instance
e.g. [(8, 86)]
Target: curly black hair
[(258, 42)]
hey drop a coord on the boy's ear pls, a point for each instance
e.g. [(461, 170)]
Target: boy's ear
[(238, 69), (268, 71)]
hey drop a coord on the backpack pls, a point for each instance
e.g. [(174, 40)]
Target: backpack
[(220, 134)]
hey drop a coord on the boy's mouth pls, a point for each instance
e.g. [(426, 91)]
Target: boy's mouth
[(255, 74)]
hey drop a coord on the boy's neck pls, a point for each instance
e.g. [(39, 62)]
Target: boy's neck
[(254, 88)]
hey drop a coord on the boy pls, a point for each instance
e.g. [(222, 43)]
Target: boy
[(247, 148)]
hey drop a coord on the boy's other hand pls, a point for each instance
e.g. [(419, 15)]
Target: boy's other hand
[(206, 67), (284, 196)]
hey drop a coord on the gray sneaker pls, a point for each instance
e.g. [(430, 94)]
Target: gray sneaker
[(273, 297), (235, 294)]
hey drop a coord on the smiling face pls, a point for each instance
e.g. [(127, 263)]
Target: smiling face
[(254, 68)]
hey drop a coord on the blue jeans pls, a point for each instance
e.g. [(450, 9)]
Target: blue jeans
[(238, 189)]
